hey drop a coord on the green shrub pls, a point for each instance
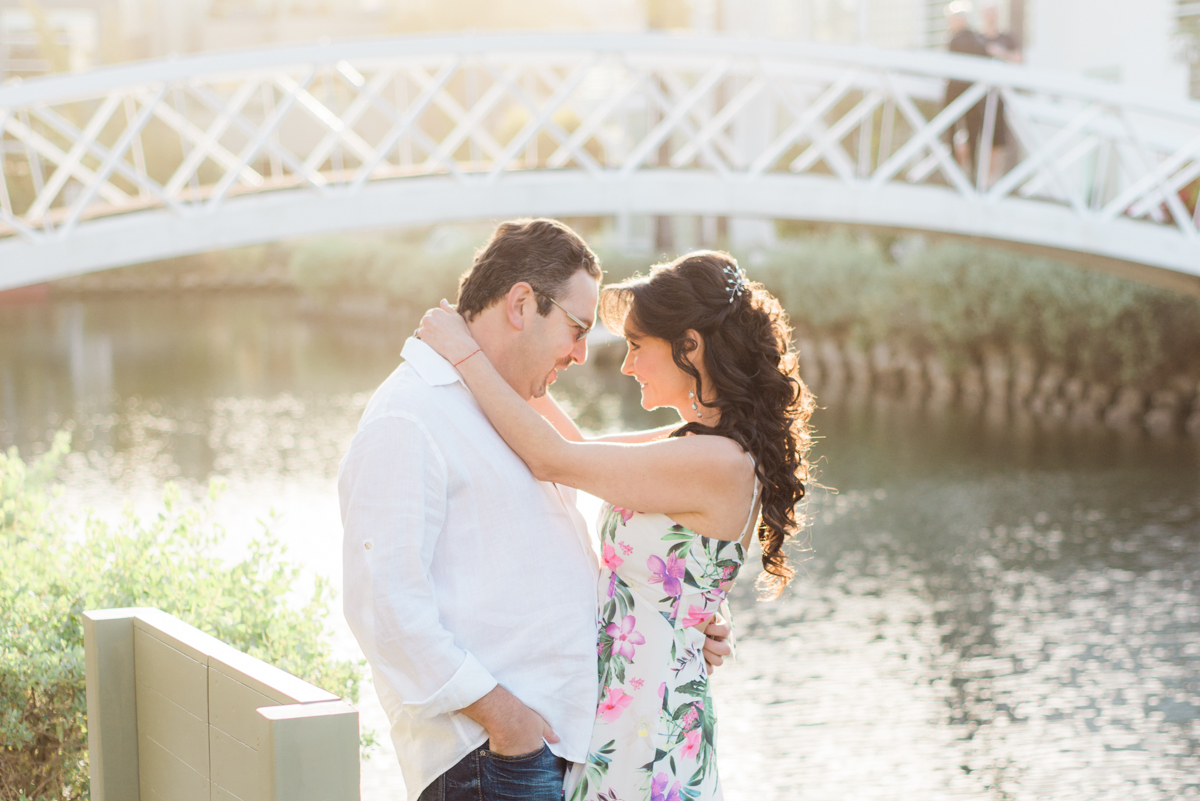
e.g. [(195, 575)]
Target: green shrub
[(53, 571), (959, 300), (954, 299), (400, 270)]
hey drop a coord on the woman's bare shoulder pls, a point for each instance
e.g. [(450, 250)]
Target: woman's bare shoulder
[(719, 453)]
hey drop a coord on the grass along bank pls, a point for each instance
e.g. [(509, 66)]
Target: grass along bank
[(949, 320)]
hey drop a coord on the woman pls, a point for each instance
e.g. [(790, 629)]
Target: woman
[(714, 347)]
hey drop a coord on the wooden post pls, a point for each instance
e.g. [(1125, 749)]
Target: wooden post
[(111, 704), (309, 752)]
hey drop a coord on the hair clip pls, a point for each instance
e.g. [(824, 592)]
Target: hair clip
[(736, 282)]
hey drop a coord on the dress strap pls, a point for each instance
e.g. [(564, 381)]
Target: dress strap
[(754, 507)]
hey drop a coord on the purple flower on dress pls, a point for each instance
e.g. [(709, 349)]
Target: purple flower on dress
[(658, 789), (624, 637), (612, 584), (669, 573)]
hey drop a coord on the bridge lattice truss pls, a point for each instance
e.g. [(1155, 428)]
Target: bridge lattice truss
[(162, 158)]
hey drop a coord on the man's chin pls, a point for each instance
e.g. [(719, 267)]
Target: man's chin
[(550, 378)]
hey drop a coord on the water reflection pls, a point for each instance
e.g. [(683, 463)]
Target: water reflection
[(993, 608)]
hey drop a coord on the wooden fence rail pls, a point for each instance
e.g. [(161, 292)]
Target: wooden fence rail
[(177, 715)]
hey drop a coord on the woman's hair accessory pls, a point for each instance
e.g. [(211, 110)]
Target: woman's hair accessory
[(735, 281)]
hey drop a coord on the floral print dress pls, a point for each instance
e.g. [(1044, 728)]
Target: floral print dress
[(654, 738)]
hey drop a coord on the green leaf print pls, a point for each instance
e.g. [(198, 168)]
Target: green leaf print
[(696, 688)]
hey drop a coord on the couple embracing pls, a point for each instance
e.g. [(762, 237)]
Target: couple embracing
[(470, 580)]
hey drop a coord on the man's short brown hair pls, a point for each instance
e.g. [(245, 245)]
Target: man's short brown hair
[(543, 253)]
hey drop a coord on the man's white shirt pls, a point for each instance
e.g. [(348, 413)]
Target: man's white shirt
[(461, 571)]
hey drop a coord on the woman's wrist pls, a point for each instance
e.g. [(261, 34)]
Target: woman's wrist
[(469, 355)]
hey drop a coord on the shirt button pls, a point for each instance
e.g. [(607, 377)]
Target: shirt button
[(367, 545)]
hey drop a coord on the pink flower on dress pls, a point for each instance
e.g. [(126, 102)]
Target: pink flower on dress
[(626, 548), (624, 637), (636, 683), (624, 513), (662, 690), (689, 718), (696, 615), (658, 789), (612, 584), (610, 558), (611, 707), (691, 745), (669, 574)]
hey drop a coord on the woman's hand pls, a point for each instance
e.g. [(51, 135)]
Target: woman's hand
[(446, 332)]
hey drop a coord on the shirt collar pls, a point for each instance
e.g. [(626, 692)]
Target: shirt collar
[(433, 369)]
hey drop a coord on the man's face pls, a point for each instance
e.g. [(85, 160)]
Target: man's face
[(554, 342)]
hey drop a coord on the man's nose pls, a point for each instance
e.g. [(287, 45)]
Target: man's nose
[(579, 352)]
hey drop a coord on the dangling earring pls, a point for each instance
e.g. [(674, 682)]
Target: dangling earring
[(695, 408)]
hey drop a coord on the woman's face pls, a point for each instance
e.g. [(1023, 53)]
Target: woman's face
[(663, 383)]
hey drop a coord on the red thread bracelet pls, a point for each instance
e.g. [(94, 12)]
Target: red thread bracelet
[(464, 358)]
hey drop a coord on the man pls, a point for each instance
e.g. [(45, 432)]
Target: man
[(967, 42), (1002, 46), (470, 585)]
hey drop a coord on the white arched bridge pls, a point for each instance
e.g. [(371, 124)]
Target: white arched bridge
[(156, 159)]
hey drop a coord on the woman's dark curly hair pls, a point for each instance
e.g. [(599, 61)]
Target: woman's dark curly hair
[(764, 405)]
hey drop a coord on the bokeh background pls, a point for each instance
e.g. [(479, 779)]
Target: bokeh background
[(999, 596)]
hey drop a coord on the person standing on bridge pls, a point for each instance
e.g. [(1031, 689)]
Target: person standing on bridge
[(682, 503), (1005, 47), (964, 40), (470, 584)]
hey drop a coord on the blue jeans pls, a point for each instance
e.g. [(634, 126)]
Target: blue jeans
[(486, 776)]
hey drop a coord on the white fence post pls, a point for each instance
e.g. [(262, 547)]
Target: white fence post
[(178, 715), (111, 705), (309, 752)]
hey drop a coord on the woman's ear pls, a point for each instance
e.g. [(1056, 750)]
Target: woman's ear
[(517, 303), (695, 353)]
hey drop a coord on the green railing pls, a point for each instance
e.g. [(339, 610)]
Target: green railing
[(177, 715)]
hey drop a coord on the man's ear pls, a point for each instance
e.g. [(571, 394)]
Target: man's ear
[(518, 303)]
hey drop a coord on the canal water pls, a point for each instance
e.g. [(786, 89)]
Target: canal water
[(991, 608)]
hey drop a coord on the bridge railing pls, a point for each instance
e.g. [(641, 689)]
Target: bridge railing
[(175, 714), (195, 137)]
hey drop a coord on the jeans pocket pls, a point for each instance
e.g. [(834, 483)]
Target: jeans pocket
[(536, 776), (489, 754)]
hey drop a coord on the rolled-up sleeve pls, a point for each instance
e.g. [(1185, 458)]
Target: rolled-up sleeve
[(393, 492)]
